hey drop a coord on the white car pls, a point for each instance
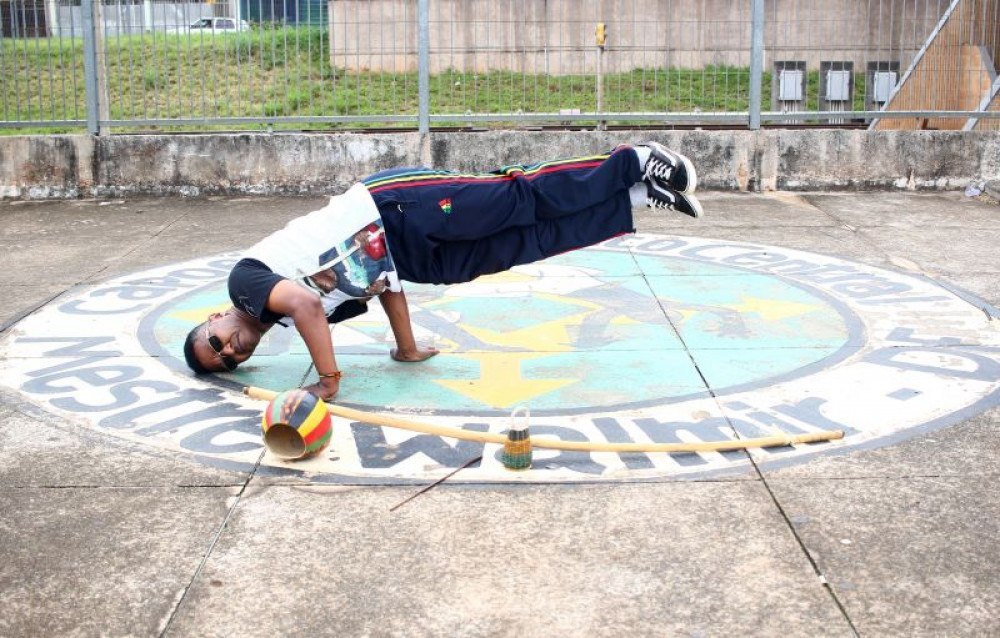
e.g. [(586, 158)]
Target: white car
[(218, 25)]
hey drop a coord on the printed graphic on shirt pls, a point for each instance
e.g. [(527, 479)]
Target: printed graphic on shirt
[(358, 266)]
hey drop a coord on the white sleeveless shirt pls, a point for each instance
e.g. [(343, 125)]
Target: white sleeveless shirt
[(344, 237)]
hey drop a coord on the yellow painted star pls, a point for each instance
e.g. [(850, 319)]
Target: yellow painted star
[(772, 309), (197, 315), (500, 384)]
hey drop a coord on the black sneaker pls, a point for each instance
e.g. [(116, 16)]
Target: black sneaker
[(661, 197), (670, 169)]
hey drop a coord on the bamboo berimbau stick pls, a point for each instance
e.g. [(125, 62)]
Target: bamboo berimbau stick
[(576, 446)]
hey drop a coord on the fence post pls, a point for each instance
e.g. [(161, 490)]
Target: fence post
[(423, 66), (601, 38), (756, 60), (90, 67)]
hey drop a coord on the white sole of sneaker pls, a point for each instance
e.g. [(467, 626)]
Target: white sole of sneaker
[(695, 204), (692, 175)]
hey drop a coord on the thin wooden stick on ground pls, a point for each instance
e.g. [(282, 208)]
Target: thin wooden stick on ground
[(555, 444)]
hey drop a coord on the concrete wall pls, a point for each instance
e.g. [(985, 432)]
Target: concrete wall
[(557, 36), (36, 167)]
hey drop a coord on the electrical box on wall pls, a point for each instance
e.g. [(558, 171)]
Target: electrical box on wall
[(788, 86), (884, 83), (881, 79), (836, 87)]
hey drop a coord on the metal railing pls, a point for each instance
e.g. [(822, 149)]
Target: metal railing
[(250, 64)]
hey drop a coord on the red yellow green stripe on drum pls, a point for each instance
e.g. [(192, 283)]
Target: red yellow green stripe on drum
[(296, 424)]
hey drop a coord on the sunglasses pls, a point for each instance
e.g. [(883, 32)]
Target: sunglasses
[(216, 345)]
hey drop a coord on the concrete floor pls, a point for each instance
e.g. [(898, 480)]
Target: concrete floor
[(104, 536)]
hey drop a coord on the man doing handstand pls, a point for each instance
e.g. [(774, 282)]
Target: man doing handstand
[(427, 226)]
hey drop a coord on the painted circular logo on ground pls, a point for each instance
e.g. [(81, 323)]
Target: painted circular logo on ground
[(645, 339)]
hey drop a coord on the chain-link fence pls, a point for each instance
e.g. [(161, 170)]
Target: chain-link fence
[(379, 63)]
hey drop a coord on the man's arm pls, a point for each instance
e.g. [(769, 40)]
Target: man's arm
[(305, 308), (407, 350)]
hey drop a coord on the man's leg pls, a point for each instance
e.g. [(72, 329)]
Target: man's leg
[(568, 187), (462, 261), (665, 178), (445, 226), (452, 206)]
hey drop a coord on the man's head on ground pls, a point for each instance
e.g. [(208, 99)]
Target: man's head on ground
[(223, 341)]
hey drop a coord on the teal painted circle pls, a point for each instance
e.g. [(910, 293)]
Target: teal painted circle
[(623, 339)]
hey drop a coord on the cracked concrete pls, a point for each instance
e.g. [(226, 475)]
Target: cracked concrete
[(105, 537)]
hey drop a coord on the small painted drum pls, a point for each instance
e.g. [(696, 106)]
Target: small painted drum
[(296, 425)]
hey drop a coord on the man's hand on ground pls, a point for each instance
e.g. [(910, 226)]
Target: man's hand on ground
[(418, 354), (325, 389)]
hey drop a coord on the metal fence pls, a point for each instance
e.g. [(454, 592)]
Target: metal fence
[(245, 64)]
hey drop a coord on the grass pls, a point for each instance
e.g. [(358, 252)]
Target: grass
[(286, 71)]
